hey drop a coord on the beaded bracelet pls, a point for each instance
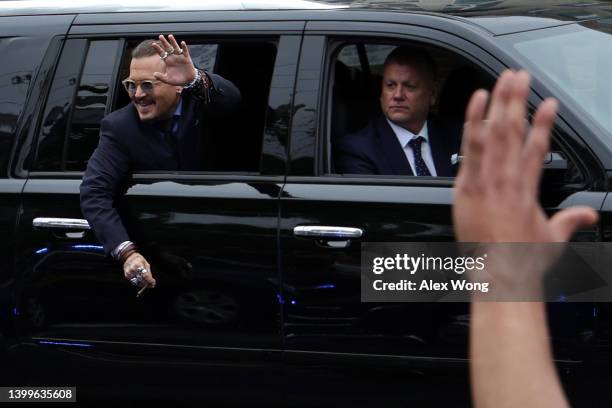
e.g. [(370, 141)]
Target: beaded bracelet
[(201, 87)]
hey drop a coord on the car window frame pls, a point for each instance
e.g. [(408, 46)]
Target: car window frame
[(264, 30), (388, 33)]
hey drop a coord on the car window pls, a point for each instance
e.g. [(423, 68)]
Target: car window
[(54, 128), (578, 60), (90, 104), (87, 86), (357, 111), (21, 57)]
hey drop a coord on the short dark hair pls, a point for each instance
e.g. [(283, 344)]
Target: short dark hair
[(415, 56), (144, 49)]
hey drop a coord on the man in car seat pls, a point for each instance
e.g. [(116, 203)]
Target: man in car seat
[(405, 139)]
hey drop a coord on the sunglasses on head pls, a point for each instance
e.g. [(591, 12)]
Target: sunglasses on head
[(146, 86)]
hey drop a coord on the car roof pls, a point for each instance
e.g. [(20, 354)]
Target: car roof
[(31, 7), (495, 16)]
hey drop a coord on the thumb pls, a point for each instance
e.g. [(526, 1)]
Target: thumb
[(161, 77), (564, 223)]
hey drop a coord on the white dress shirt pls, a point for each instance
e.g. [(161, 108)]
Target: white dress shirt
[(404, 136)]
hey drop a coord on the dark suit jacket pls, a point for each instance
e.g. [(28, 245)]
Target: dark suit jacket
[(128, 145), (376, 150)]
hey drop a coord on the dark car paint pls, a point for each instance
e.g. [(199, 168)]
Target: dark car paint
[(295, 330)]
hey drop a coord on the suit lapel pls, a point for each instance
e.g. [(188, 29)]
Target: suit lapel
[(150, 150), (185, 121), (392, 150), (190, 144)]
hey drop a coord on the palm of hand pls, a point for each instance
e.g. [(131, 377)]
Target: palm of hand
[(179, 70)]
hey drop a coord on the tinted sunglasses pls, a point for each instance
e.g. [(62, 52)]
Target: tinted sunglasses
[(146, 86)]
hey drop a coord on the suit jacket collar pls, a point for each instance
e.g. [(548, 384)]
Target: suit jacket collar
[(393, 152)]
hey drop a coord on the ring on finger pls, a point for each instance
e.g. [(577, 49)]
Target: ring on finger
[(164, 56), (136, 280), (170, 51), (142, 270), (179, 51)]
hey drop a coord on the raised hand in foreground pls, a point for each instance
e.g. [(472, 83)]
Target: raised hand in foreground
[(496, 201)]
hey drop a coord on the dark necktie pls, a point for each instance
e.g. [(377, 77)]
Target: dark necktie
[(170, 132), (419, 163)]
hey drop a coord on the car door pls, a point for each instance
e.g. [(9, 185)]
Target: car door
[(24, 41), (334, 342), (211, 326)]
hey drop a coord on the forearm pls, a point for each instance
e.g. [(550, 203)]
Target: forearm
[(106, 171), (511, 357), (103, 218)]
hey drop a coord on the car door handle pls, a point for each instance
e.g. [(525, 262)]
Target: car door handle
[(61, 223), (327, 232)]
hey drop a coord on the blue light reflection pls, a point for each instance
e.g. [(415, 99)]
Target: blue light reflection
[(81, 246), (61, 343)]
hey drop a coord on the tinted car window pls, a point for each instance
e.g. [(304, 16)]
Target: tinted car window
[(90, 104), (204, 56), (21, 56), (55, 127)]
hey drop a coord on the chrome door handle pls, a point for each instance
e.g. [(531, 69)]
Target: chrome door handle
[(61, 223), (329, 232)]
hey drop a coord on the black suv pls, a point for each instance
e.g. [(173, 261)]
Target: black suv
[(255, 303)]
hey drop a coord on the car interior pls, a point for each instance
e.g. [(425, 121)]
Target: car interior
[(357, 86)]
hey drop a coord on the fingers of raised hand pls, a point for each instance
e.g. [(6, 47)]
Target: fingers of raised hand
[(538, 143), (495, 129), (163, 54), (516, 118), (185, 50), (505, 130), (175, 47), (165, 44), (169, 46), (472, 144), (565, 222)]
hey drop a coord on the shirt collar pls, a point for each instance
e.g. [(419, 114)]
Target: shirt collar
[(173, 121), (404, 135)]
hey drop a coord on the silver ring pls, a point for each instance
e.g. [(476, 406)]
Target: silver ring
[(164, 56), (170, 51), (136, 280), (179, 52), (142, 270)]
